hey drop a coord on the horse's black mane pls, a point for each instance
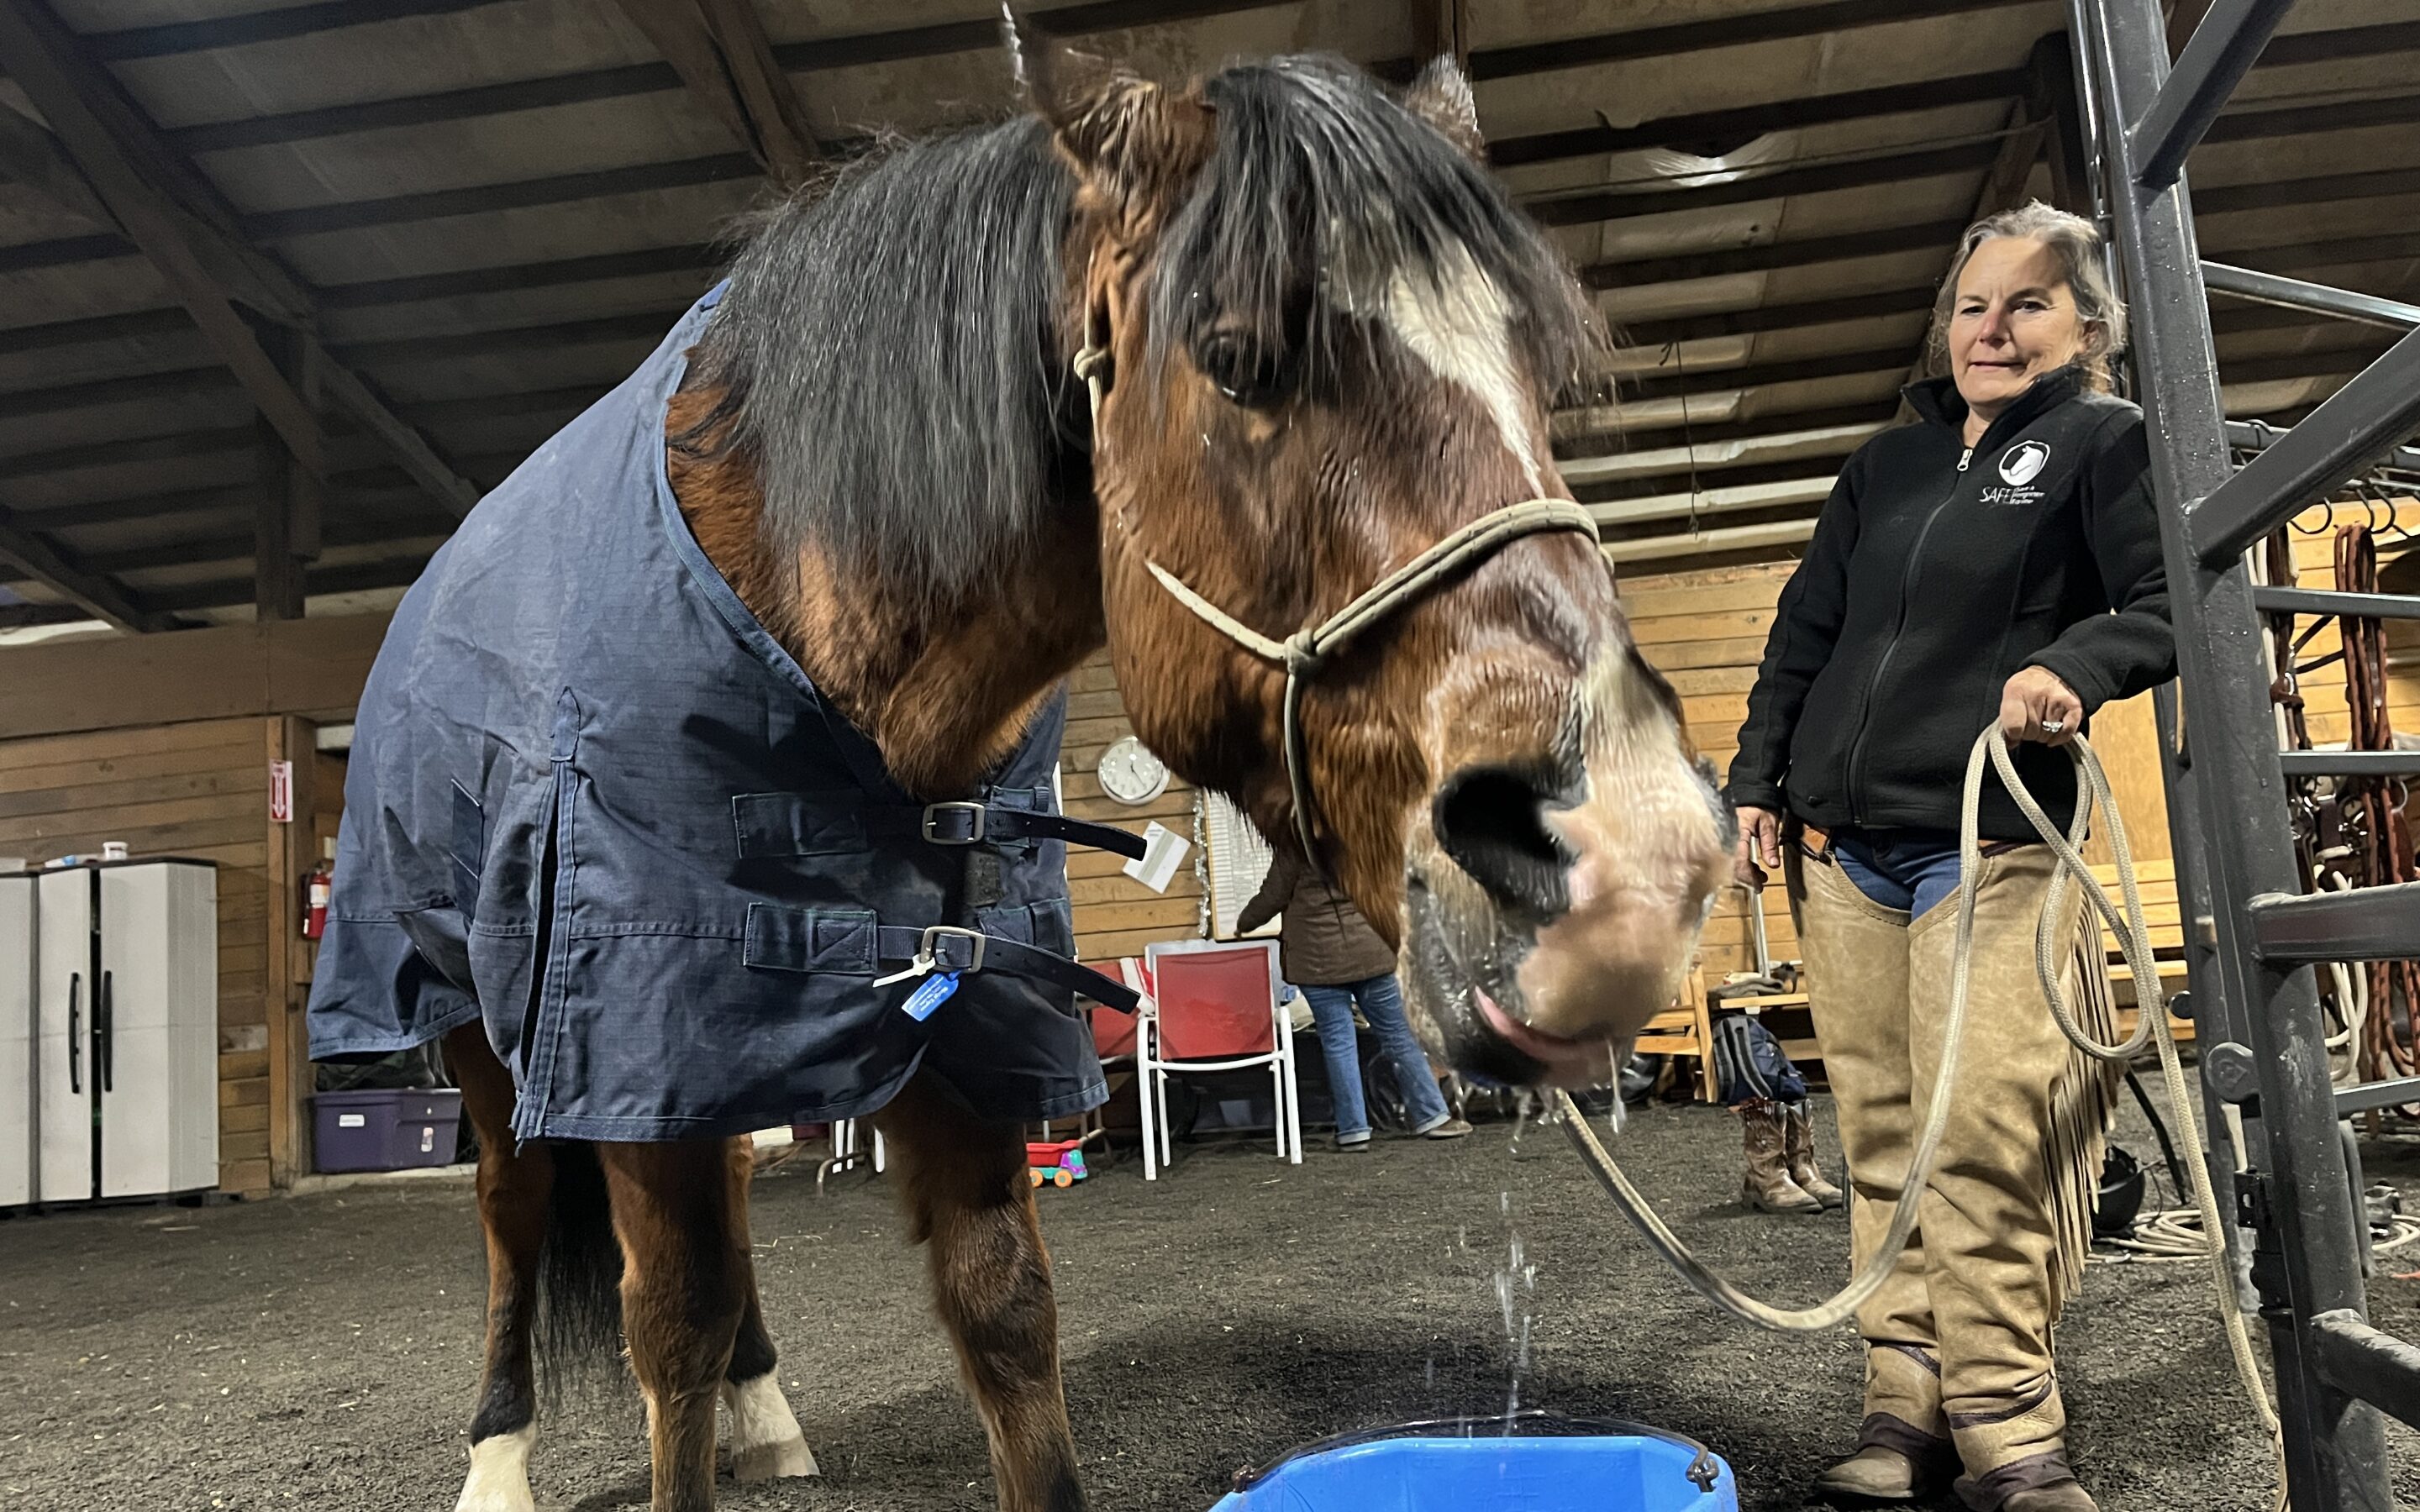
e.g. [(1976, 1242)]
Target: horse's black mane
[(894, 351)]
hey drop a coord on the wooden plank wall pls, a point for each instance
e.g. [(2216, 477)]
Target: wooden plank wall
[(1705, 631), (198, 789), (312, 668), (1115, 915)]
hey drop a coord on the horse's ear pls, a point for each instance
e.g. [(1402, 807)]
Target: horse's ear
[(1441, 97), (1134, 143)]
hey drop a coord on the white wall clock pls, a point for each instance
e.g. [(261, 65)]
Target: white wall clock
[(1130, 772)]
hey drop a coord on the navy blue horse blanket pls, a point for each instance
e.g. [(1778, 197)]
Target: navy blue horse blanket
[(594, 804)]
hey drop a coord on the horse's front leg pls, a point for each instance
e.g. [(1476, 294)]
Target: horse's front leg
[(515, 1184), (684, 1291), (765, 1443), (963, 1182)]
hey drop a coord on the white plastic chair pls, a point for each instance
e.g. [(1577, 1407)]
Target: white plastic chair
[(1211, 1005), (850, 1149)]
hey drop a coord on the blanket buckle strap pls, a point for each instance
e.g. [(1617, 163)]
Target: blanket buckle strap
[(977, 818)]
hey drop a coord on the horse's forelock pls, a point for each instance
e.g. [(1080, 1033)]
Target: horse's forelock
[(1327, 192)]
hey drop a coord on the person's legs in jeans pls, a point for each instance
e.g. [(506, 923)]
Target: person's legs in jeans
[(1382, 1004), (1331, 1009)]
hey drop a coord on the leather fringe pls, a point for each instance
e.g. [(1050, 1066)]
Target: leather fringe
[(2083, 1102)]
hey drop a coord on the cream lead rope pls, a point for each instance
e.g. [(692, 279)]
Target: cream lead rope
[(2134, 939)]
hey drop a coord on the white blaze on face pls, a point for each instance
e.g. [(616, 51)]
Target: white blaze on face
[(1461, 328)]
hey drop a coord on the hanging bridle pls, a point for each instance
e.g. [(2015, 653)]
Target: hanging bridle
[(1304, 652)]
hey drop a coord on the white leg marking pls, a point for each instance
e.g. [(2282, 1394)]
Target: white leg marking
[(498, 1479), (1460, 331), (765, 1443)]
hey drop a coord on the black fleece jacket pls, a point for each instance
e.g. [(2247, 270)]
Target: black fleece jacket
[(1936, 572)]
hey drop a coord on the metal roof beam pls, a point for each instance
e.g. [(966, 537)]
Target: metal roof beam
[(721, 51)]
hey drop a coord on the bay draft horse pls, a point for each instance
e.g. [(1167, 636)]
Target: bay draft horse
[(1323, 339)]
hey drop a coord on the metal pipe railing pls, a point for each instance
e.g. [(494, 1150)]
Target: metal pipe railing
[(2336, 442), (2294, 294)]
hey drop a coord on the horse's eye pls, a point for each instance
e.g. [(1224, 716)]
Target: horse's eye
[(1245, 370)]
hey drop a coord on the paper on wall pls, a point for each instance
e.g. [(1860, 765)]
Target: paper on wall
[(1163, 850)]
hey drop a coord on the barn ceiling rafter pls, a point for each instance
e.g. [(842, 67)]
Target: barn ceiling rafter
[(481, 212)]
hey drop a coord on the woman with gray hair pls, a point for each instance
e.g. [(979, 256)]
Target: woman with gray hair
[(1996, 561)]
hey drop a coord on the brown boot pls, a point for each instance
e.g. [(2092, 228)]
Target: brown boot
[(2067, 1496), (2038, 1483), (1877, 1476), (1767, 1186), (1798, 1146)]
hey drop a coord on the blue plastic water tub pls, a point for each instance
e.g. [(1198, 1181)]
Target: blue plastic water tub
[(1532, 1463)]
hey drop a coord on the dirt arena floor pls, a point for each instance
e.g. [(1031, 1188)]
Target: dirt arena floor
[(322, 1350)]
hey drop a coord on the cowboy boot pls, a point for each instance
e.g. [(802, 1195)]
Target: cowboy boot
[(2038, 1483), (1879, 1475), (2064, 1496), (1798, 1146), (1767, 1186)]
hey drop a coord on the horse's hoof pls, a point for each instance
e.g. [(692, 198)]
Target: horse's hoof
[(499, 1478), (765, 1443), (787, 1460)]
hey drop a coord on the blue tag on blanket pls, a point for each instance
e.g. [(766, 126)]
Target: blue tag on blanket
[(929, 994)]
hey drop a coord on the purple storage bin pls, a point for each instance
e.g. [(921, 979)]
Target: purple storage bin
[(385, 1129)]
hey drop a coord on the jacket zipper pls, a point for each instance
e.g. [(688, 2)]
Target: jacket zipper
[(1898, 628)]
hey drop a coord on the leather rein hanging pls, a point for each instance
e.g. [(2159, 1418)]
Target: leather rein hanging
[(1304, 653)]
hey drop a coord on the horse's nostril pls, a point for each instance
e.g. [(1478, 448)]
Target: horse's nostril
[(1491, 820)]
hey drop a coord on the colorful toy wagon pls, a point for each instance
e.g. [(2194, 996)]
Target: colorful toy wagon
[(1060, 1163)]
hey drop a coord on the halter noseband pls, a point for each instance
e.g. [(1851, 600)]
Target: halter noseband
[(1304, 652)]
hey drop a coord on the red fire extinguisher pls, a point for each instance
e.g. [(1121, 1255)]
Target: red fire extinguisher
[(316, 888)]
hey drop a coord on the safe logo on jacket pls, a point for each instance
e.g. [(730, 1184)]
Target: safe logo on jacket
[(2023, 463)]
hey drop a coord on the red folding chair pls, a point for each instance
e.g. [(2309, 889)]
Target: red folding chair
[(1212, 1006), (1113, 1044)]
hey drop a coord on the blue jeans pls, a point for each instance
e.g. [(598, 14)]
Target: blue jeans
[(1382, 1004), (1909, 869)]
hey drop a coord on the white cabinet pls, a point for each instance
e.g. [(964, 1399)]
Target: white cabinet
[(125, 1074), (17, 1138)]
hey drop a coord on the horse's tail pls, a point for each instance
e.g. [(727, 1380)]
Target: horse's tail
[(579, 1275)]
